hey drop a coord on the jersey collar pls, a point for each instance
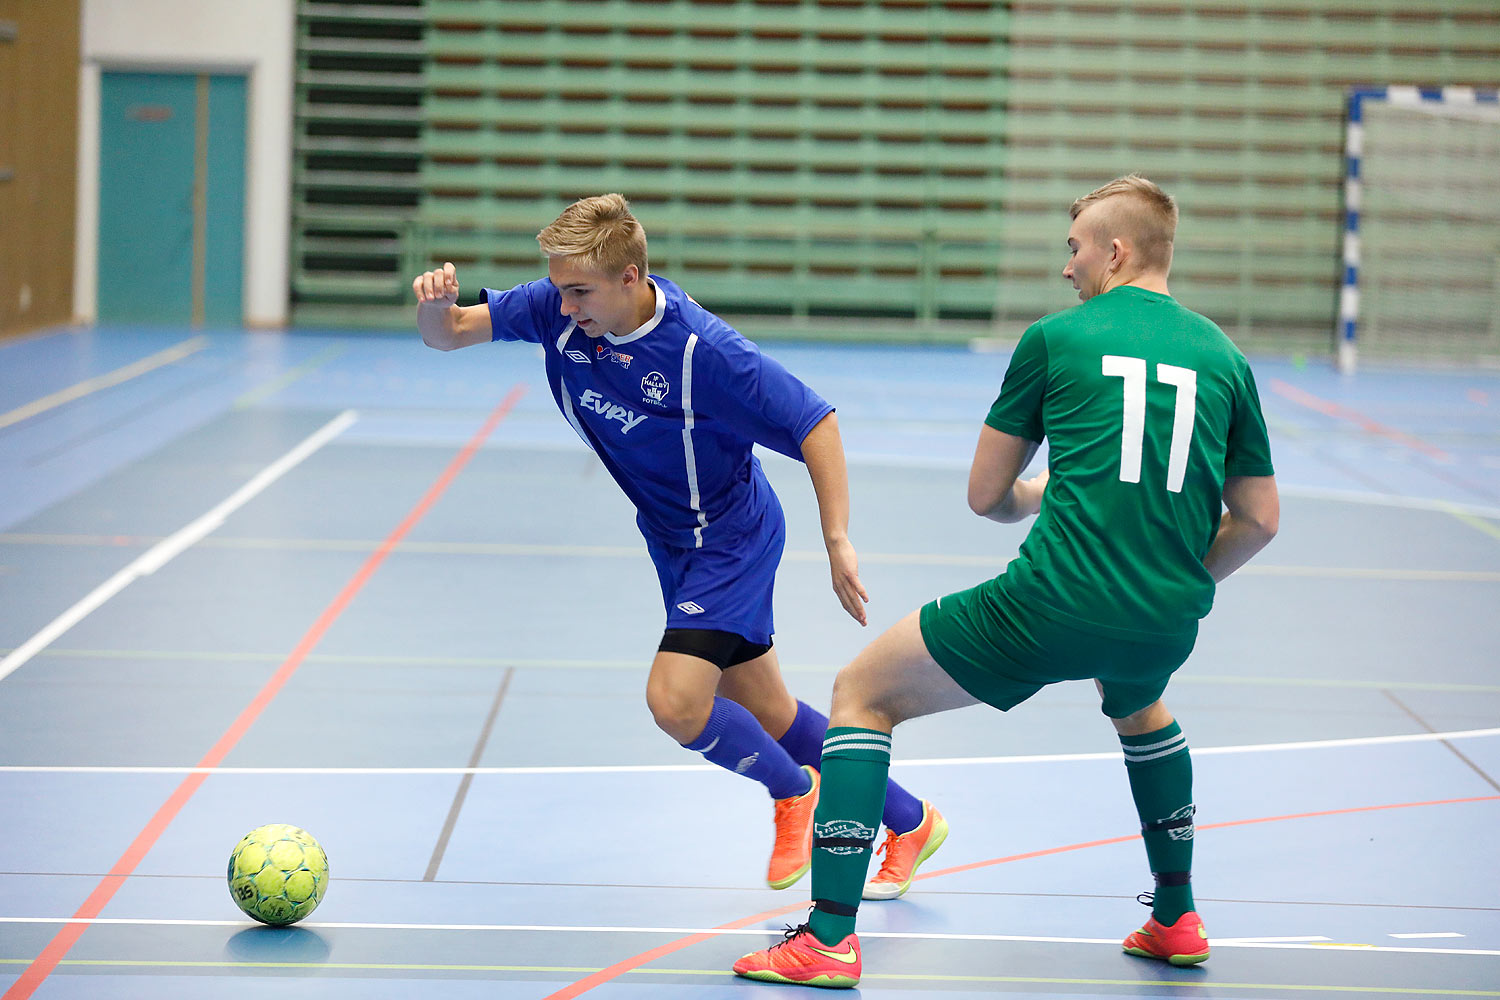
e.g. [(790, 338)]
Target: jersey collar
[(646, 327)]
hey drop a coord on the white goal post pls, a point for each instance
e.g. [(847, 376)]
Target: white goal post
[(1421, 240)]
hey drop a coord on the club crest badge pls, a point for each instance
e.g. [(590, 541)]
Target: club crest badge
[(1182, 831), (843, 836), (656, 387)]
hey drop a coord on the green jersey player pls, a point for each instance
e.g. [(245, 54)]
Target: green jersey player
[(1154, 429)]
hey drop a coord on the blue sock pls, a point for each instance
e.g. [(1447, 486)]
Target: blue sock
[(735, 741), (804, 742)]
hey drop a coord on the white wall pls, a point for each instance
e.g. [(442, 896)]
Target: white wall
[(256, 37)]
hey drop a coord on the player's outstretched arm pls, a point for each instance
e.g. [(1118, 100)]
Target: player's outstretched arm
[(995, 491), (1254, 514), (823, 451), (443, 323)]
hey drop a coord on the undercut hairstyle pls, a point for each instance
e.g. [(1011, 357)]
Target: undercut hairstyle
[(1139, 211), (599, 233)]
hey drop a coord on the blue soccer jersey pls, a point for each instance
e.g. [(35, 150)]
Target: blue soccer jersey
[(671, 409)]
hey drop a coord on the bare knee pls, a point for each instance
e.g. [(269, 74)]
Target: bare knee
[(853, 704), (757, 685), (1148, 720), (678, 713)]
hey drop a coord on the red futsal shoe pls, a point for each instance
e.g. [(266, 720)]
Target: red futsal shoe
[(1184, 943), (803, 960)]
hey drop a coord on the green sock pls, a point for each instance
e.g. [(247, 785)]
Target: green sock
[(1161, 782), (856, 765)]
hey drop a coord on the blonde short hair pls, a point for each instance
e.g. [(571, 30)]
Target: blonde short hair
[(599, 232), (1141, 212)]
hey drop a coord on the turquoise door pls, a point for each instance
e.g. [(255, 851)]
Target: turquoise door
[(171, 198)]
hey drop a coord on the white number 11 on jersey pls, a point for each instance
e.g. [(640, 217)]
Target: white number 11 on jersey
[(1133, 432)]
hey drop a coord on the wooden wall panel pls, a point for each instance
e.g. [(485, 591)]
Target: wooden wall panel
[(39, 59)]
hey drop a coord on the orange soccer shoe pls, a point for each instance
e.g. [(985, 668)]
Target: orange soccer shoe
[(904, 852), (1184, 943), (803, 960), (792, 855)]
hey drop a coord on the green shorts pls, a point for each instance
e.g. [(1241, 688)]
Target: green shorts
[(1002, 652)]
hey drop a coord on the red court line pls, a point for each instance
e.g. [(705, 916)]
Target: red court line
[(43, 965), (619, 968), (1201, 826), (1332, 409)]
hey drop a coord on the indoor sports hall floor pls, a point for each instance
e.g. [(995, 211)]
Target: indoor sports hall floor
[(384, 593)]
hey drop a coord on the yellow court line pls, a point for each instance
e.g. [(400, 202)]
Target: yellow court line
[(1374, 573), (1477, 523), (497, 662), (1196, 983), (175, 353), (291, 375), (501, 549)]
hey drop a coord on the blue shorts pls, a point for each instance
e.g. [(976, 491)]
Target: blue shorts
[(724, 587)]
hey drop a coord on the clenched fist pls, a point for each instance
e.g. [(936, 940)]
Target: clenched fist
[(440, 286)]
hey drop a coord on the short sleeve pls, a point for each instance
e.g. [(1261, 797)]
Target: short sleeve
[(754, 395), (526, 312), (1249, 446), (1018, 409)]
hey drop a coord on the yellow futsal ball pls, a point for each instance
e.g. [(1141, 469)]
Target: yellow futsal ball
[(278, 874)]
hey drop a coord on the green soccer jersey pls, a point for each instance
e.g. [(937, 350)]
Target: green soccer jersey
[(1146, 408)]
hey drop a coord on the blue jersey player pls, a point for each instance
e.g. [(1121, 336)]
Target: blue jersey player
[(671, 399)]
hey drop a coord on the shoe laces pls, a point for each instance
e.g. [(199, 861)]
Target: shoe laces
[(891, 836), (790, 933), (1146, 898)]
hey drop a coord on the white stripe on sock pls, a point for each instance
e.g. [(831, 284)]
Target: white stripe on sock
[(864, 734), (1142, 758), (878, 748), (1179, 738), (846, 738)]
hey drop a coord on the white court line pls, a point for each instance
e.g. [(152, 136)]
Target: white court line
[(1431, 934), (858, 456), (1389, 500), (125, 374), (655, 768), (173, 545), (520, 549), (1293, 943)]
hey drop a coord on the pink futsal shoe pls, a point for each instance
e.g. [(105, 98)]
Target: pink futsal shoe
[(803, 960), (791, 856), (1184, 943), (904, 852)]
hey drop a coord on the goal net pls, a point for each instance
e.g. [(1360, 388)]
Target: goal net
[(1422, 224)]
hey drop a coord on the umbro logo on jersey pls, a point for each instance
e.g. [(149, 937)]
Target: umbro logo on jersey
[(578, 356), (591, 400), (690, 608)]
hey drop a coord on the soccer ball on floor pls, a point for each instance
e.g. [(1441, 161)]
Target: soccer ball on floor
[(278, 874)]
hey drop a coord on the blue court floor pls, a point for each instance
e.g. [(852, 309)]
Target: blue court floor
[(385, 594)]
